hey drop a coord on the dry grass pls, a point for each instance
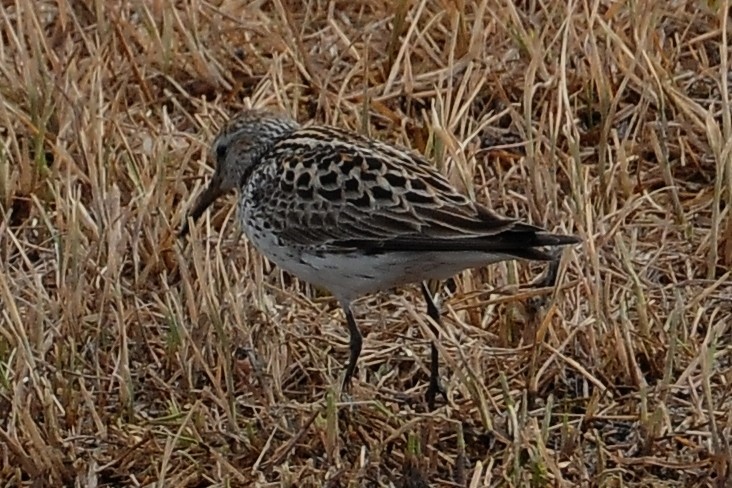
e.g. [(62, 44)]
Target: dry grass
[(128, 358)]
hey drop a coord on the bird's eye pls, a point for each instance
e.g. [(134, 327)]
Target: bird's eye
[(220, 153)]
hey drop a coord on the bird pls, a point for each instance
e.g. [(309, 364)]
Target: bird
[(355, 216)]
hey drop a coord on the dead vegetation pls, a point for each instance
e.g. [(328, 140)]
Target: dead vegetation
[(128, 358)]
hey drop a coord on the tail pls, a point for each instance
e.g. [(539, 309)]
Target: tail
[(530, 250)]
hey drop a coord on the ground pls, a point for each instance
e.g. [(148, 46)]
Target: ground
[(129, 357)]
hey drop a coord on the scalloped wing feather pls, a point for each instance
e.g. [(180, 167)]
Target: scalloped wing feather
[(344, 191)]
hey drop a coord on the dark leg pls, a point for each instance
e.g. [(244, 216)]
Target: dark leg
[(534, 306), (552, 272), (545, 280), (354, 345), (550, 275), (435, 385)]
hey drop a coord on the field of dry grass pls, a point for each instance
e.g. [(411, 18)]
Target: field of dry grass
[(131, 358)]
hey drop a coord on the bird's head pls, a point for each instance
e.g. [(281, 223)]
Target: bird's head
[(238, 149)]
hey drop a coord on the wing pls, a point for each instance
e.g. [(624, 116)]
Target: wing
[(342, 191)]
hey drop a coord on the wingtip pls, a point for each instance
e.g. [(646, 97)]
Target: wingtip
[(548, 239)]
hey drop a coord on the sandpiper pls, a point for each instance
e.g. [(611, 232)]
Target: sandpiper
[(355, 216)]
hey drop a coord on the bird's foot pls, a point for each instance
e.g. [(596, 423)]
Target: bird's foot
[(433, 389), (347, 382)]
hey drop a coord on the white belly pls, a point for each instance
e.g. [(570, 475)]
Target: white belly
[(350, 275)]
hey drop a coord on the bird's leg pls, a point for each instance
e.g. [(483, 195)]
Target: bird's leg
[(533, 307), (354, 344), (435, 385), (550, 276), (548, 279)]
